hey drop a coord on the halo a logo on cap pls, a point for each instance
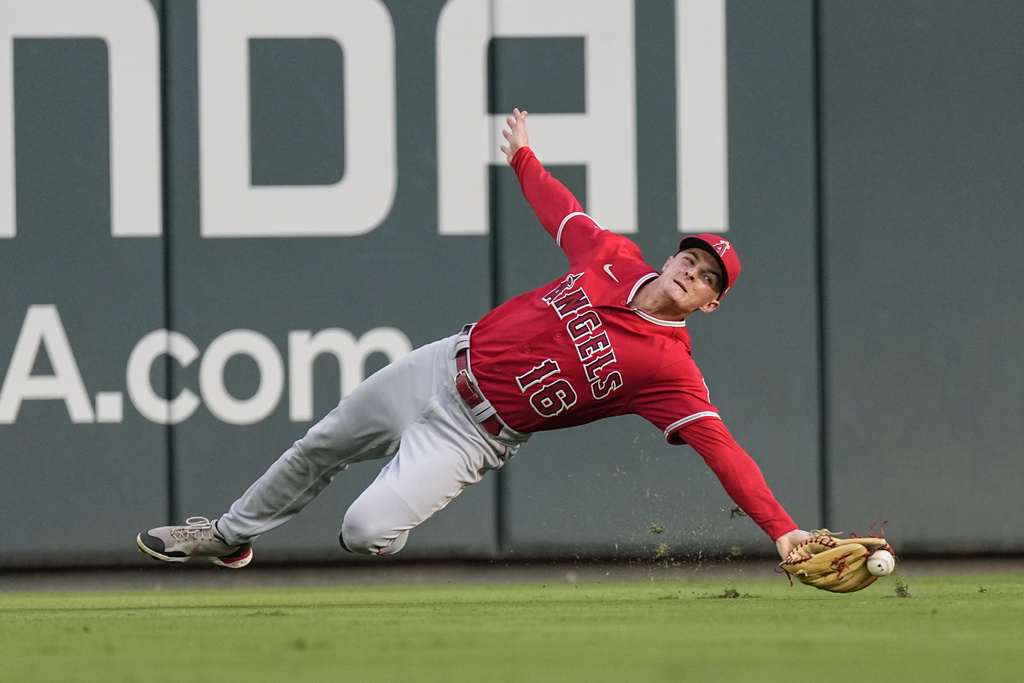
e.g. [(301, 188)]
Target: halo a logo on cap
[(722, 247)]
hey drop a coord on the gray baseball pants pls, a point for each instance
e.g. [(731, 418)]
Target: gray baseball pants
[(408, 411)]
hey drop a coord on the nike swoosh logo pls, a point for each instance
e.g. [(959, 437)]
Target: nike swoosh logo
[(608, 269)]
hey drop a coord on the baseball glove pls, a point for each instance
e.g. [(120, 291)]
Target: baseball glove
[(833, 564)]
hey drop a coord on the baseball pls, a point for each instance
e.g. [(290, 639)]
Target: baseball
[(881, 563)]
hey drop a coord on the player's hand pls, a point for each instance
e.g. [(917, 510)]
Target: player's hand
[(784, 544), (515, 134)]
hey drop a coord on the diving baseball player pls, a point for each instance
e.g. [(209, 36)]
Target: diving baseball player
[(606, 339)]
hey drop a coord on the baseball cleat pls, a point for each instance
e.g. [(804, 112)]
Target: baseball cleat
[(198, 538)]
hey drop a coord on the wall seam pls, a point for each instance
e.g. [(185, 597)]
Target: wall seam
[(824, 484), (169, 434), (501, 497)]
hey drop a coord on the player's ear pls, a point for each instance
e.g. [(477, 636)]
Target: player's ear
[(668, 261), (709, 306)]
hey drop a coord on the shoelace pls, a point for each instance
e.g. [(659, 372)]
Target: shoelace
[(199, 528)]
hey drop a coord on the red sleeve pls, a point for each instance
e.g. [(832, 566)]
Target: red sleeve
[(548, 198), (739, 475)]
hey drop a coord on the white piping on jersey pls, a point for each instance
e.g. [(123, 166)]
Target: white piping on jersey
[(659, 321), (558, 235), (639, 283), (696, 416)]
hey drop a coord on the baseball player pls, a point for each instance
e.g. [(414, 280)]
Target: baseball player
[(608, 338)]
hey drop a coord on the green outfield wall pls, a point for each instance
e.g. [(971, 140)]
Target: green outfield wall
[(218, 216)]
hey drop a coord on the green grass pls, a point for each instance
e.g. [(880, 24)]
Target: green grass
[(954, 628)]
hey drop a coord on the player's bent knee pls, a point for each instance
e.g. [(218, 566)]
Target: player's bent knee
[(364, 539)]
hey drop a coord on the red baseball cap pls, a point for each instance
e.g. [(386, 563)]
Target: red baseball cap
[(723, 252)]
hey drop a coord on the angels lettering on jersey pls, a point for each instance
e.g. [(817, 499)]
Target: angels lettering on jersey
[(550, 395)]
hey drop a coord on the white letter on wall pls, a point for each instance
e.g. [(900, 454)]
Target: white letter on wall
[(130, 30), (43, 328), (361, 200), (603, 137), (140, 365), (702, 157), (211, 377), (303, 350)]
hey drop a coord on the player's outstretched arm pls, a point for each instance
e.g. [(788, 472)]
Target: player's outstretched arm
[(515, 134)]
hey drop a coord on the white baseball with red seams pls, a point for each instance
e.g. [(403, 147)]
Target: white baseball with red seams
[(881, 563)]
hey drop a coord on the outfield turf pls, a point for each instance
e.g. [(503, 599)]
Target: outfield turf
[(950, 628)]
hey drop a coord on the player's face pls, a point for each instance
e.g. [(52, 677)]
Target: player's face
[(692, 280)]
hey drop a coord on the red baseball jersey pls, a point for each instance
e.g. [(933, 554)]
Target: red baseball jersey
[(574, 351)]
